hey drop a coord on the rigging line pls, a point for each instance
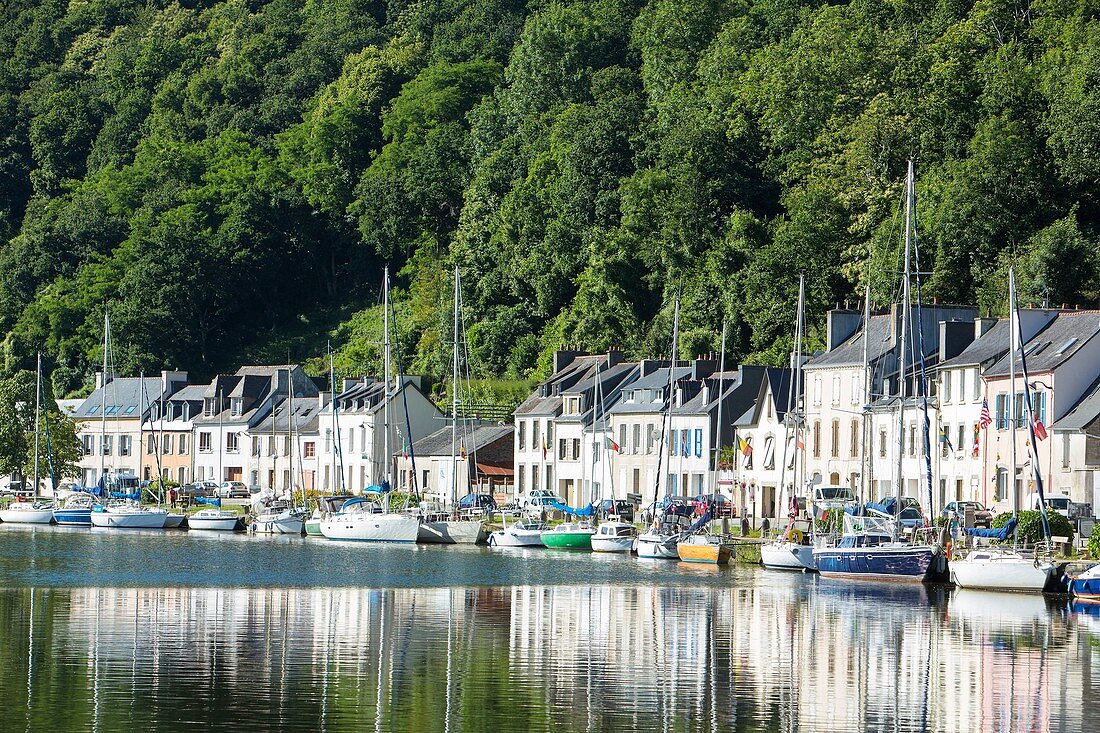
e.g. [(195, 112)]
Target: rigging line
[(923, 367), (665, 413), (404, 402)]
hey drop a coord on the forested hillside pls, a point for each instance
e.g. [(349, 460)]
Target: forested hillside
[(229, 176)]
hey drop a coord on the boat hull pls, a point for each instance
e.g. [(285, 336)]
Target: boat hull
[(371, 528), (895, 563), (26, 516), (128, 520), (278, 525), (452, 532), (787, 556), (710, 553), (1085, 587), (1015, 574), (657, 546), (509, 538), (574, 540), (313, 527), (173, 520), (73, 517), (223, 524), (612, 544)]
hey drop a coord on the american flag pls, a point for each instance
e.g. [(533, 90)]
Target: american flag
[(985, 418)]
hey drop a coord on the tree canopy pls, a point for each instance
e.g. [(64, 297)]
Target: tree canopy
[(229, 176)]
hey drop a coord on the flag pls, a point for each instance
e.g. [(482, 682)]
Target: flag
[(746, 447), (1040, 430), (945, 440), (977, 432), (985, 420), (544, 449), (610, 444), (462, 450)]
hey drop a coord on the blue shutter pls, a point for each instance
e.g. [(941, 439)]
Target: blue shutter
[(698, 442)]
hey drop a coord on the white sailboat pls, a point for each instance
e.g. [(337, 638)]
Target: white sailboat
[(128, 515), (1009, 568), (213, 519), (789, 551), (525, 533), (36, 512), (367, 519), (660, 540), (449, 527)]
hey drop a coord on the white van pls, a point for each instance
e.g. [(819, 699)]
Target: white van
[(833, 497), (1055, 502)]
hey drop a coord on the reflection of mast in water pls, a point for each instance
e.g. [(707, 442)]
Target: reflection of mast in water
[(450, 662), (30, 661), (379, 695)]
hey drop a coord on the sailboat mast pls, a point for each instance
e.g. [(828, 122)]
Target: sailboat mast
[(386, 456), (290, 433), (1013, 346), (904, 337), (667, 413), (454, 398), (672, 388), (864, 463), (592, 495), (718, 428), (792, 402), (103, 399), (37, 416), (335, 443), (141, 432)]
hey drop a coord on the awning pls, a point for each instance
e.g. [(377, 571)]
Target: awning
[(490, 470)]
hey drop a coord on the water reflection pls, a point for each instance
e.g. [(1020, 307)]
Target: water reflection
[(776, 652)]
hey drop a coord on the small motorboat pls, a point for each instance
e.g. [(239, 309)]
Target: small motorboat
[(614, 535), (1085, 587), (527, 533), (1002, 568), (214, 519), (569, 536), (76, 511), (25, 512), (704, 548)]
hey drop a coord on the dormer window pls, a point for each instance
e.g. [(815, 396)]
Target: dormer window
[(572, 405), (236, 406), (208, 407)]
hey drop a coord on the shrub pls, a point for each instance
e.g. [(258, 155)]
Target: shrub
[(1094, 541), (1030, 527)]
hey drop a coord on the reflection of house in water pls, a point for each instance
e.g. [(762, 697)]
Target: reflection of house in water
[(771, 651)]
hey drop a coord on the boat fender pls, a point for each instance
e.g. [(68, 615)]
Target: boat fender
[(794, 535)]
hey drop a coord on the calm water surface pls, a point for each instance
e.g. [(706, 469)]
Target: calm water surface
[(114, 631)]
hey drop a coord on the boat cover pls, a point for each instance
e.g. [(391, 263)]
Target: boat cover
[(1001, 534), (206, 500), (886, 507), (135, 496), (588, 511), (701, 522)]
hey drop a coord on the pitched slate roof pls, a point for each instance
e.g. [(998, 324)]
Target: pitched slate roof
[(1054, 345), (546, 399), (656, 381), (123, 398), (474, 437), (850, 353), (990, 345), (1084, 413), (305, 419)]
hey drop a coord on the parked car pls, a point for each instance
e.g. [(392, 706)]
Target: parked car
[(477, 504), (205, 489), (832, 497), (233, 490), (539, 500), (621, 507), (721, 505), (910, 513), (982, 516)]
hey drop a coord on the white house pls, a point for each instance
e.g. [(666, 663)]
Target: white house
[(478, 454), (353, 431), (758, 475)]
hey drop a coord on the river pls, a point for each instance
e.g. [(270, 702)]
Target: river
[(108, 630)]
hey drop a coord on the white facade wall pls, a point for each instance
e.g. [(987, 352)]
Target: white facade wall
[(114, 451), (535, 467), (834, 408)]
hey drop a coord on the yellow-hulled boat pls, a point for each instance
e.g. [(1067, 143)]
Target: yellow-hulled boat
[(704, 549)]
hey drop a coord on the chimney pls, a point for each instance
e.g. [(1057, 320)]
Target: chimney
[(648, 366), (703, 368), (954, 337), (841, 325), (982, 326), (349, 382), (98, 380), (171, 381), (565, 357), (614, 356)]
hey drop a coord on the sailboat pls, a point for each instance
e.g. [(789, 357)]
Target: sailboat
[(670, 521), (283, 517), (1009, 568), (328, 505), (788, 551), (368, 518), (449, 527), (36, 512), (525, 533), (870, 547), (612, 534)]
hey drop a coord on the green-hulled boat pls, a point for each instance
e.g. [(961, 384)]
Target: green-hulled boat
[(569, 536)]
